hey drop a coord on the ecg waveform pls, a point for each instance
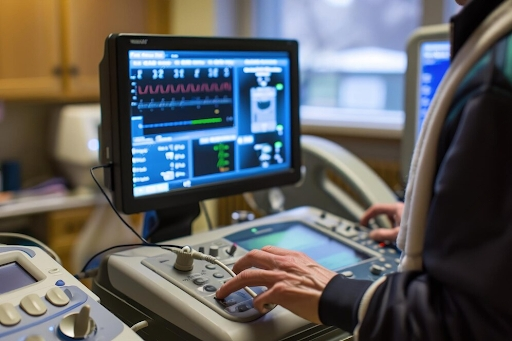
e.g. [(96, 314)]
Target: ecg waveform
[(181, 103), (183, 88)]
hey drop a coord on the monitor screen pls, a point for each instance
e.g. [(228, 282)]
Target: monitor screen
[(434, 60), (327, 251), (428, 59), (186, 118)]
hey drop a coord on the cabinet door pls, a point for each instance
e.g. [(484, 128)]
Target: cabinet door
[(90, 22), (30, 48)]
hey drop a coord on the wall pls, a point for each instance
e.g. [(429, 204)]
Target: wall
[(192, 17), (24, 137)]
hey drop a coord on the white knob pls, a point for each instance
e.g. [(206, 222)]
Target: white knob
[(79, 325)]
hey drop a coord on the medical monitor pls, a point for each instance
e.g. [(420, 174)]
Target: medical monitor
[(428, 59), (185, 119)]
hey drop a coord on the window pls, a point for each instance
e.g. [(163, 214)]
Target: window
[(352, 54)]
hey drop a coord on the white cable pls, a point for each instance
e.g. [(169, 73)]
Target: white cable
[(139, 325), (229, 271), (187, 250)]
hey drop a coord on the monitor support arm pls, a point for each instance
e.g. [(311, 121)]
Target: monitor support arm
[(170, 223)]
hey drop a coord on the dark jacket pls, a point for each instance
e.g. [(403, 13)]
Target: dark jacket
[(464, 291)]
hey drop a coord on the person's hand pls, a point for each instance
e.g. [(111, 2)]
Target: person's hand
[(294, 280), (394, 213)]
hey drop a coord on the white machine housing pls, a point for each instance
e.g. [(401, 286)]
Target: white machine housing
[(33, 273), (76, 144)]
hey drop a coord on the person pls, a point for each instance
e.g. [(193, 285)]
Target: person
[(455, 227)]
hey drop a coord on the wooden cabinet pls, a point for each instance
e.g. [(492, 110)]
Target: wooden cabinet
[(30, 48), (51, 49), (63, 228)]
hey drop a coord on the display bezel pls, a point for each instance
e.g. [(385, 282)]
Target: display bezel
[(115, 129)]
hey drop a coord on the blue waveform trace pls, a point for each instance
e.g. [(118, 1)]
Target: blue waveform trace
[(181, 103), (167, 124)]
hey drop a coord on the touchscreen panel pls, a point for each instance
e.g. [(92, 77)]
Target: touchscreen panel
[(325, 250)]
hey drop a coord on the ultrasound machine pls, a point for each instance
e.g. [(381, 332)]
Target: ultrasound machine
[(186, 119)]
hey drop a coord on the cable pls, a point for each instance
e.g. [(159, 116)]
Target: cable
[(187, 250), (163, 246), (206, 215), (112, 205)]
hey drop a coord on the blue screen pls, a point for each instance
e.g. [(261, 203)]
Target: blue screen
[(434, 61), (14, 277), (326, 251), (203, 117)]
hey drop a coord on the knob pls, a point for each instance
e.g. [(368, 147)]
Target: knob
[(232, 250), (214, 250), (79, 325), (184, 262)]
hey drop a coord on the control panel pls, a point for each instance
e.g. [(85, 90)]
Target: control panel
[(182, 293), (364, 258), (40, 300)]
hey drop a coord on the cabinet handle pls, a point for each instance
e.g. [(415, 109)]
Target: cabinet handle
[(73, 70), (57, 70)]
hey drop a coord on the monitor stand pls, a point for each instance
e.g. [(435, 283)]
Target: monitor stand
[(170, 223)]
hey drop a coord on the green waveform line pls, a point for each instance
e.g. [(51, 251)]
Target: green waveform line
[(207, 120)]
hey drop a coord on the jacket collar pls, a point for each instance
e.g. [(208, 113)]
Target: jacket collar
[(468, 19)]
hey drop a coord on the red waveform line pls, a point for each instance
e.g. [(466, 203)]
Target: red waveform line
[(183, 88)]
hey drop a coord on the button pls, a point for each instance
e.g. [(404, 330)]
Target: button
[(376, 269), (200, 280), (218, 275), (397, 260), (393, 251), (9, 315), (387, 265), (60, 283), (210, 267), (243, 307), (54, 271), (348, 274), (33, 305), (57, 297), (210, 288), (226, 302), (382, 259), (34, 338)]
